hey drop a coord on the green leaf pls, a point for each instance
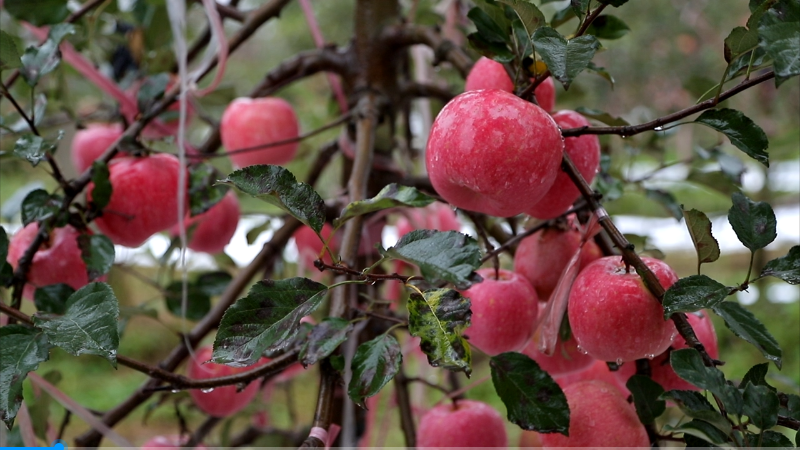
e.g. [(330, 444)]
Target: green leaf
[(787, 268), (565, 59), (203, 193), (667, 200), (608, 27), (761, 406), (40, 408), (646, 393), (693, 293), (439, 318), (688, 364), (496, 13), (213, 283), (792, 408), (695, 405), (713, 179), (488, 29), (88, 325), (9, 51), (33, 148), (23, 349), (533, 399), (745, 325), (97, 251), (528, 14), (614, 3), (702, 430), (375, 363), (496, 51), (771, 438), (6, 271), (4, 242), (580, 7), (757, 375), (779, 36), (198, 302), (277, 186), (38, 12), (324, 339), (101, 193), (563, 16), (440, 255), (739, 41), (53, 298), (700, 230), (389, 197), (754, 222), (740, 129), (151, 90), (602, 116), (39, 61), (266, 320), (39, 205), (606, 75)]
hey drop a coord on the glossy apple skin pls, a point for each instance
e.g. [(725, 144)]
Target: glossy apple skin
[(469, 424), (144, 200), (491, 152), (222, 401), (542, 257), (613, 315), (57, 261), (599, 417), (214, 228), (584, 151), (249, 122), (597, 370), (504, 312), (566, 358), (490, 74), (91, 142), (175, 442)]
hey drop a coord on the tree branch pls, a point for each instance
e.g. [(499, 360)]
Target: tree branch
[(443, 49)]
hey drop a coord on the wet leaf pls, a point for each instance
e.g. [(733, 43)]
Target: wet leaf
[(391, 196), (700, 230), (565, 58), (754, 222), (324, 339), (745, 325), (787, 268), (740, 129), (53, 298), (23, 349), (375, 363), (97, 251), (439, 318), (646, 393)]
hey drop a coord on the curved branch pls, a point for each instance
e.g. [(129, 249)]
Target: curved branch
[(443, 49), (416, 90)]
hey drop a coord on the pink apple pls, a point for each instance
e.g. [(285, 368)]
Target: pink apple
[(91, 142), (144, 200), (174, 442), (530, 439), (309, 245), (468, 423), (613, 315), (584, 151), (214, 228), (566, 359), (598, 417), (490, 74), (436, 216), (597, 370), (504, 311), (542, 256), (491, 152), (57, 261), (250, 122), (221, 401)]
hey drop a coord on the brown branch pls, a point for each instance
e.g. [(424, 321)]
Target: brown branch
[(416, 90), (589, 19), (202, 431), (329, 379), (789, 422), (404, 408), (443, 49)]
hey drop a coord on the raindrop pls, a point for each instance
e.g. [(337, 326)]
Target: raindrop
[(619, 361), (650, 356), (206, 390), (658, 129), (673, 336), (175, 391), (584, 352)]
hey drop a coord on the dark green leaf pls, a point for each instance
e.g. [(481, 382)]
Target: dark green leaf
[(88, 325), (524, 46), (101, 193), (9, 51), (745, 325), (324, 339), (563, 16), (152, 90), (646, 393), (787, 268), (693, 293), (6, 271), (203, 193), (700, 230), (606, 75), (752, 61), (39, 61), (198, 302), (97, 251), (713, 179), (39, 410), (389, 197), (33, 148), (3, 244), (23, 349), (440, 255), (611, 188), (496, 51), (688, 364), (761, 406), (375, 363), (213, 283), (277, 186), (266, 320), (771, 438), (756, 376), (608, 27), (38, 12), (740, 129), (439, 318), (702, 430), (695, 405), (754, 222), (565, 59), (602, 116), (533, 399), (528, 14), (580, 7), (779, 36), (792, 408), (496, 13), (614, 3), (740, 41), (667, 200), (488, 29), (39, 205), (53, 298)]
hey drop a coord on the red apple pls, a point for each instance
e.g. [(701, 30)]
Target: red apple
[(469, 423), (597, 370), (309, 245), (490, 74), (598, 417), (57, 261), (144, 200), (566, 358), (584, 151), (504, 311), (221, 401), (491, 152), (542, 256), (613, 315), (250, 122), (91, 142), (436, 216), (174, 442), (214, 228)]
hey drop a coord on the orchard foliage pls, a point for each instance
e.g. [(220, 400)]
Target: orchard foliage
[(361, 336)]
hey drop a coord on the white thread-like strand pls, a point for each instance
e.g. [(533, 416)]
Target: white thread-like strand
[(218, 31)]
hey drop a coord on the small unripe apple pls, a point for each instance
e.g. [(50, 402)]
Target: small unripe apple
[(612, 314), (492, 152), (566, 358), (173, 442), (214, 228), (250, 122), (144, 199), (58, 259), (222, 401), (468, 423), (504, 310), (91, 142), (584, 151), (490, 74), (598, 417)]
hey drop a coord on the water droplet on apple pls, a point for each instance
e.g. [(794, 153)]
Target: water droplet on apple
[(650, 356), (619, 361), (673, 336), (206, 390), (175, 391), (580, 349)]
